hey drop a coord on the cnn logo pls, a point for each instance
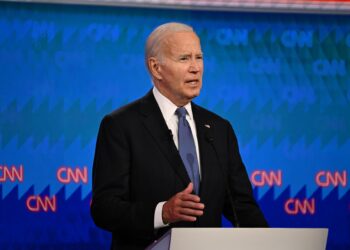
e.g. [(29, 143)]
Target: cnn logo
[(298, 206), (67, 175), (328, 178), (261, 178), (12, 173), (37, 203)]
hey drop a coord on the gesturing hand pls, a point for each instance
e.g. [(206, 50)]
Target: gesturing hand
[(183, 206)]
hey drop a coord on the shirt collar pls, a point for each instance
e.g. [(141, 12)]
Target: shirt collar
[(167, 107)]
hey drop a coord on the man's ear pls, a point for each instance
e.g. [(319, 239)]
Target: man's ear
[(154, 67)]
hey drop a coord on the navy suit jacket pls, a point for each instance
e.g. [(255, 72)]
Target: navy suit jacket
[(137, 165)]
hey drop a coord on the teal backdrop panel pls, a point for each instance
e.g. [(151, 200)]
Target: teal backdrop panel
[(282, 80)]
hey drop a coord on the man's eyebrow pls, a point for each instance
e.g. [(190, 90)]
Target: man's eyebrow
[(184, 55), (189, 54)]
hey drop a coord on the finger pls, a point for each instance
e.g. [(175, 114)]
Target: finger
[(190, 212), (192, 205), (190, 197), (188, 189), (187, 218)]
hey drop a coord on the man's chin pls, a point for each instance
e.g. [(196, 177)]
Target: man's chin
[(193, 95), (194, 91)]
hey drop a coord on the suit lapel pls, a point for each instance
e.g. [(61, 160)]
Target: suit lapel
[(154, 122)]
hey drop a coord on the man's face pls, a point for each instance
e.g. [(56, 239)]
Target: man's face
[(181, 69)]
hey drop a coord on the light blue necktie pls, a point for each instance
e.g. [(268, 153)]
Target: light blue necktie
[(187, 148)]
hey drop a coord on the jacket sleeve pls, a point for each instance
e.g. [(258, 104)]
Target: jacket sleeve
[(247, 210), (112, 206)]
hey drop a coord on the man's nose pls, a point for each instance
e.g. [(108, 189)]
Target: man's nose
[(194, 66)]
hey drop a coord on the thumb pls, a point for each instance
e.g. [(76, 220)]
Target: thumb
[(189, 188)]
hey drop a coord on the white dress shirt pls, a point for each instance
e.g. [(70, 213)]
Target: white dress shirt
[(168, 109)]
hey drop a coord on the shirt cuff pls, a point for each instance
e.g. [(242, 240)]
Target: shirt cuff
[(158, 218)]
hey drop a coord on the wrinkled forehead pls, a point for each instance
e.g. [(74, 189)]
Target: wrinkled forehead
[(181, 42)]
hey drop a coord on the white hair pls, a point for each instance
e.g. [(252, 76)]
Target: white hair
[(154, 41)]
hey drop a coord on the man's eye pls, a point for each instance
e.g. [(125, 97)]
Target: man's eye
[(183, 58), (199, 57)]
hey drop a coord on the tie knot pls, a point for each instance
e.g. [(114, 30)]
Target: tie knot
[(181, 112)]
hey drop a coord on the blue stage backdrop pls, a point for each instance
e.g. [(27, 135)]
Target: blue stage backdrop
[(283, 81)]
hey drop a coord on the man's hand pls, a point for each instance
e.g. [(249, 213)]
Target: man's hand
[(183, 206)]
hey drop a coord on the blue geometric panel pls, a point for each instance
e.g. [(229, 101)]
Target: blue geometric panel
[(282, 80)]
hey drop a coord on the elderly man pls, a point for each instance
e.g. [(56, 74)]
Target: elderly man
[(163, 161)]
